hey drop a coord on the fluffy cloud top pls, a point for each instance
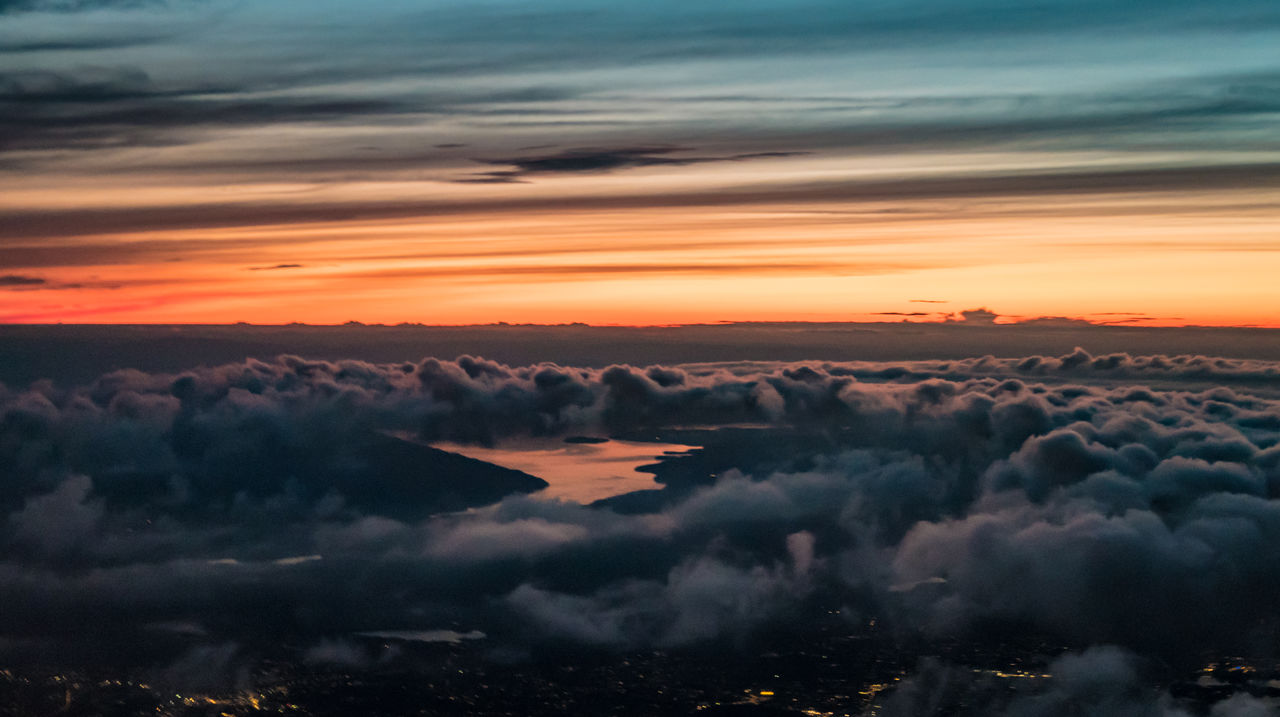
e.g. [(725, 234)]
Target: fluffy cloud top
[(1097, 500)]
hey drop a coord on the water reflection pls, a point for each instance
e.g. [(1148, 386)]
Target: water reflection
[(581, 470)]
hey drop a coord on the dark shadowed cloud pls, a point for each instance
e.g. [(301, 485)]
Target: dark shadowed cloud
[(1093, 499), (588, 160), (12, 6), (979, 316), (114, 107), (10, 280)]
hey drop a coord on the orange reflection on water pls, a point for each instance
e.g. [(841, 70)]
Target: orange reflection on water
[(579, 472)]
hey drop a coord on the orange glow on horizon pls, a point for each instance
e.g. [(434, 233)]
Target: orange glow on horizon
[(613, 258)]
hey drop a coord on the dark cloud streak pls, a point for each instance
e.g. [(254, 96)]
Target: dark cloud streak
[(588, 160), (19, 280), (70, 6), (19, 224)]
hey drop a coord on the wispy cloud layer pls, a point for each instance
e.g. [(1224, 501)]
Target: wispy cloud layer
[(265, 118)]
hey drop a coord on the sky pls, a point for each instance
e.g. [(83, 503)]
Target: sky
[(450, 162)]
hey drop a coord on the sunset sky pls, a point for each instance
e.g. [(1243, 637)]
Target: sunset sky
[(474, 161)]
